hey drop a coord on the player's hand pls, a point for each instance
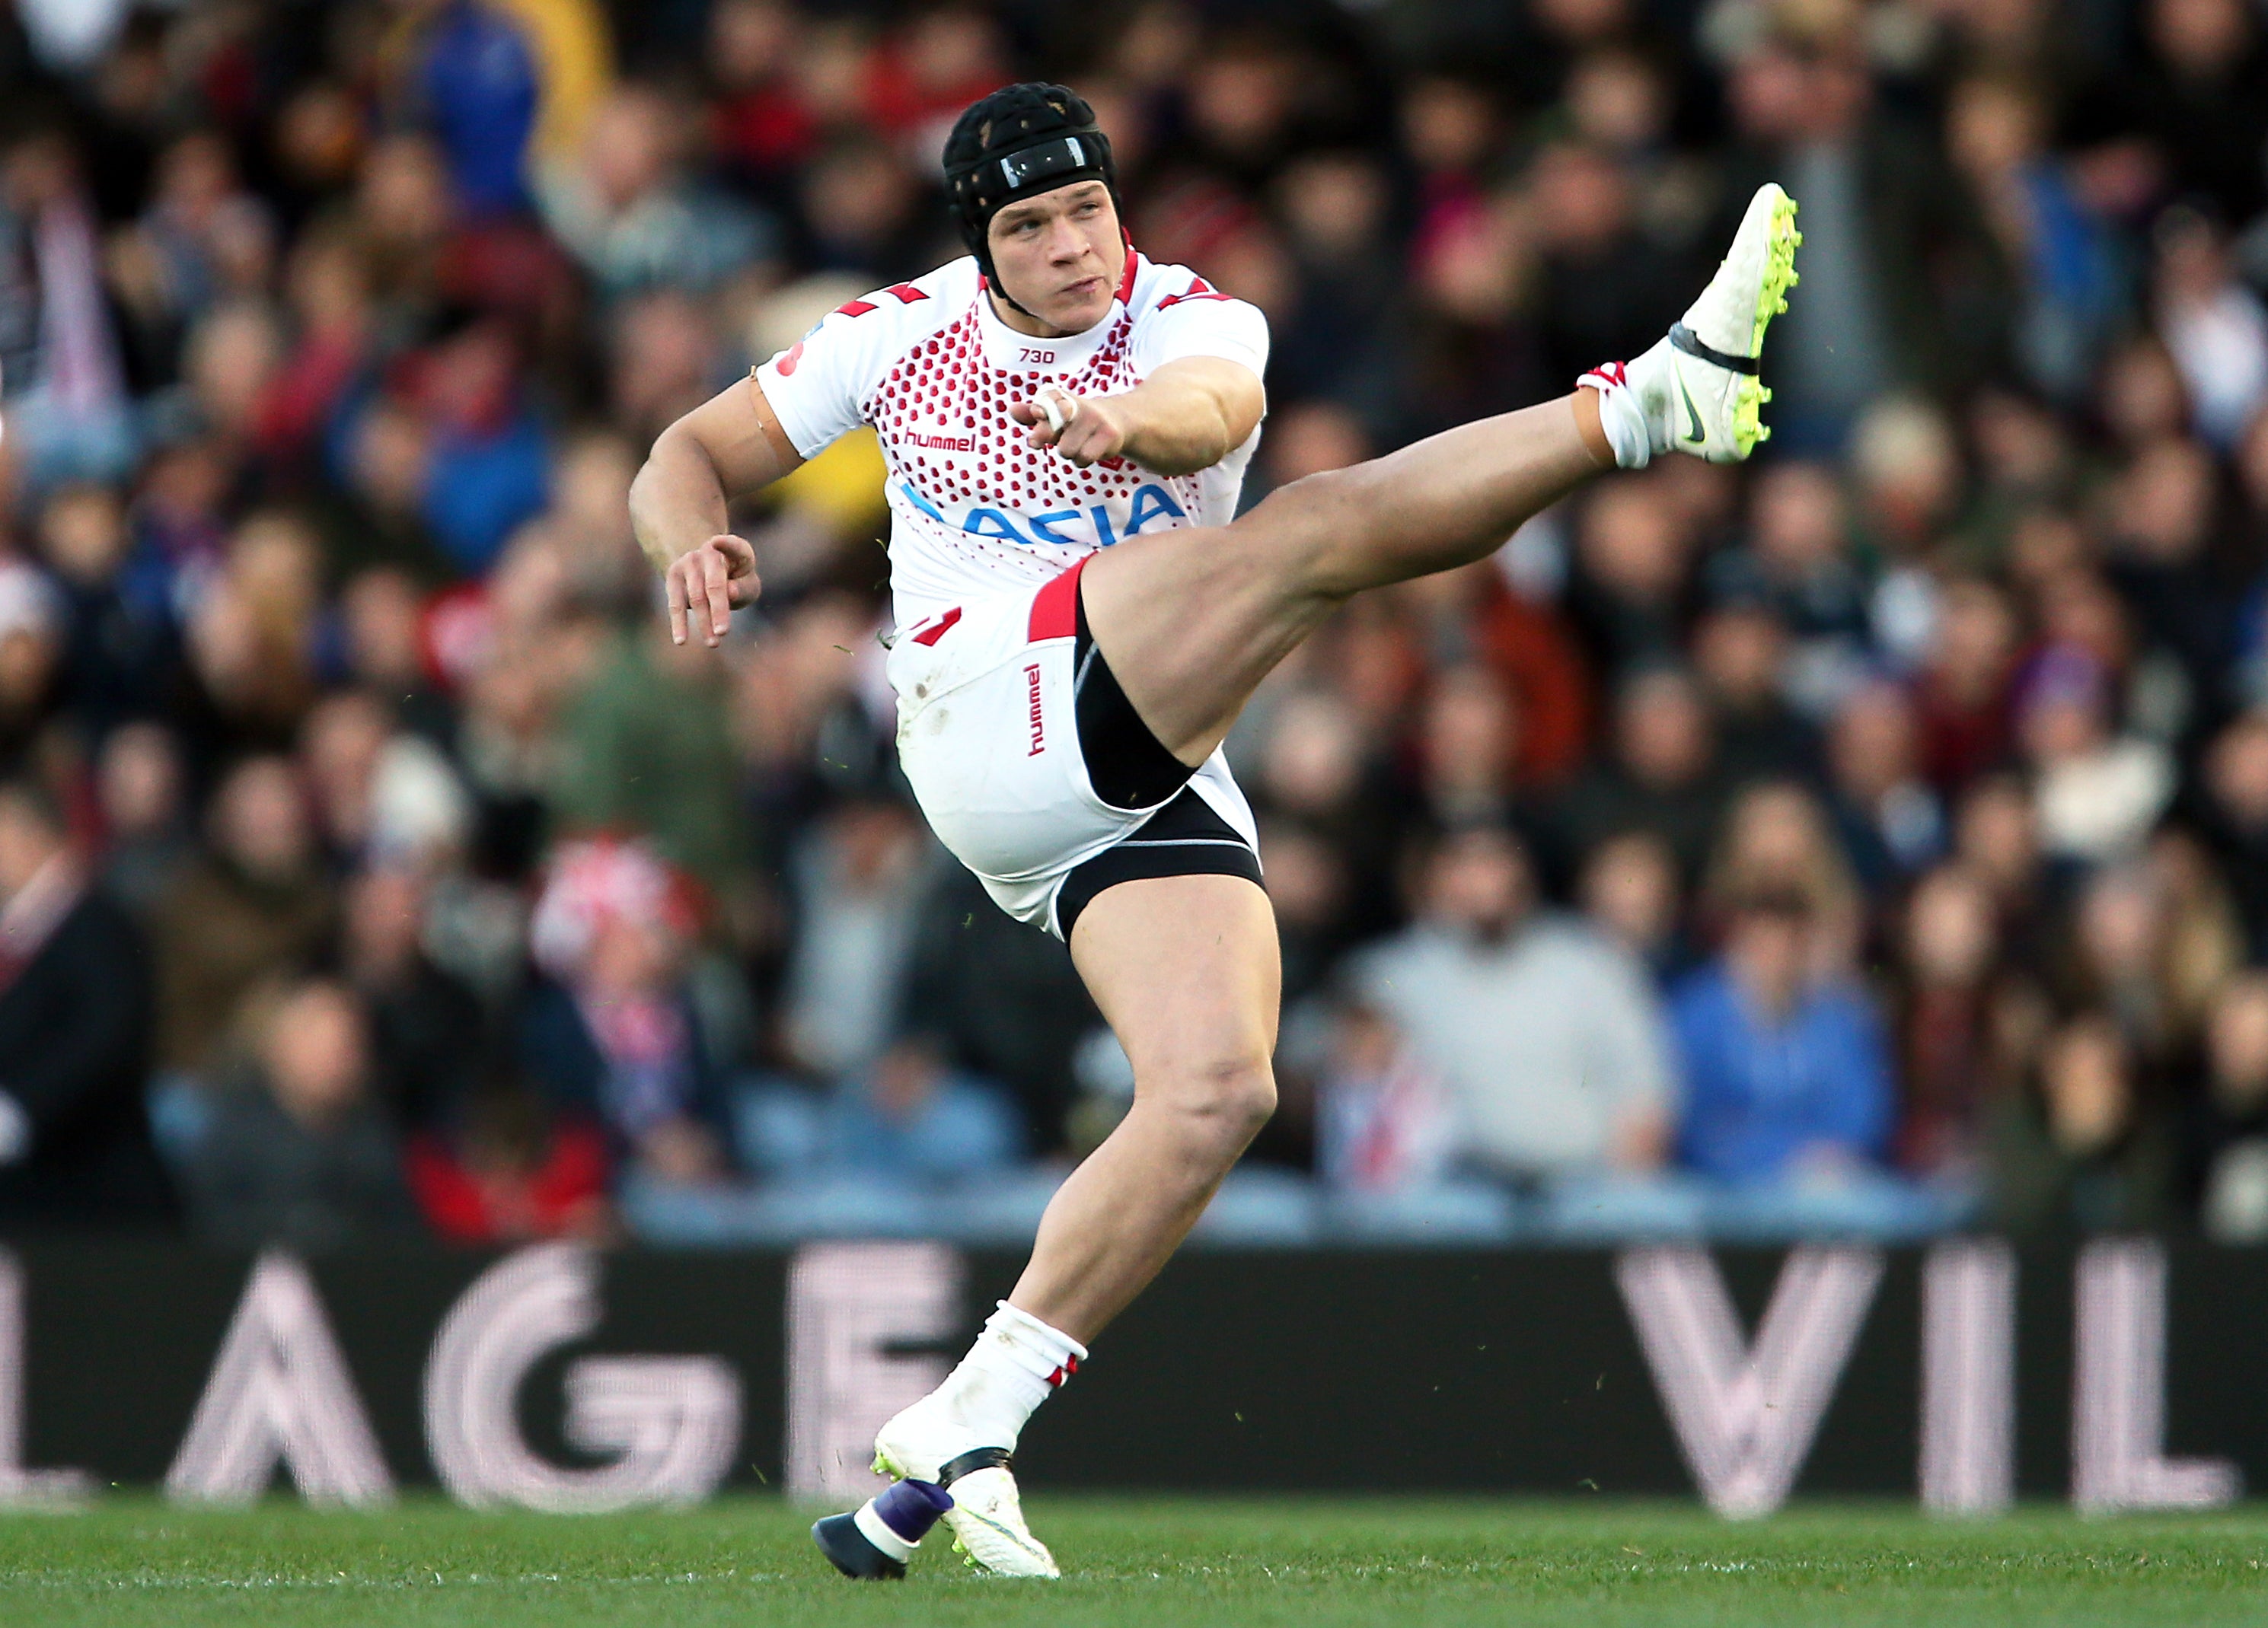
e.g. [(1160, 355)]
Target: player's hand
[(1093, 427), (707, 585)]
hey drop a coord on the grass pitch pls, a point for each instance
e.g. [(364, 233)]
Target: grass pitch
[(1131, 1563)]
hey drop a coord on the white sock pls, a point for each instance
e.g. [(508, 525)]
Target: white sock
[(1017, 1363), (1633, 406)]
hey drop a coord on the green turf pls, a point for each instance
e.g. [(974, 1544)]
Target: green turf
[(1136, 1562)]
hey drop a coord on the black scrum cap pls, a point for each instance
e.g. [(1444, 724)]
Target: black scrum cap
[(1021, 141)]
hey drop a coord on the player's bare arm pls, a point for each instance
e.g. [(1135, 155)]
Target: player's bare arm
[(1187, 416), (727, 447)]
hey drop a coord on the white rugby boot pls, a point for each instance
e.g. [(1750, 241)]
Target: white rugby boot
[(928, 1441), (1697, 390)]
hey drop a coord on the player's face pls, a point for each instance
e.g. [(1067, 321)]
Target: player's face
[(1059, 256)]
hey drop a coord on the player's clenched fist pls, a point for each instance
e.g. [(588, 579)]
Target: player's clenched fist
[(708, 583), (1083, 430)]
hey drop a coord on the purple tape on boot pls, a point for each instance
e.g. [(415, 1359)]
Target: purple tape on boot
[(911, 1507)]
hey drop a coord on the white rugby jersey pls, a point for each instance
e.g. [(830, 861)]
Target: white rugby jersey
[(977, 509)]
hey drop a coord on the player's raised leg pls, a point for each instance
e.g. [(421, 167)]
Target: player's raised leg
[(1191, 621)]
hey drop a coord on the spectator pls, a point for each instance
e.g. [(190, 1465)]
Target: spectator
[(118, 650), (858, 890), (139, 785), (1630, 891), (907, 1118), (1661, 778), (295, 1152), (2228, 1133), (75, 1147), (1948, 1050), (1799, 558), (1963, 698), (251, 640), (1469, 748), (2234, 813), (1314, 772), (999, 1002), (250, 910), (1740, 649), (627, 213), (2213, 326), (70, 415), (2098, 792), (612, 1037), (1996, 838), (476, 75), (1889, 818), (500, 1170), (1788, 1078), (1805, 111), (2080, 1150), (429, 1044), (1632, 563), (1547, 1036), (1776, 838), (383, 624), (1386, 1121), (2055, 255), (765, 126), (32, 635), (646, 749)]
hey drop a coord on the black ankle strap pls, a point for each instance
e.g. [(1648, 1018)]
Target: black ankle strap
[(1687, 340), (974, 1459)]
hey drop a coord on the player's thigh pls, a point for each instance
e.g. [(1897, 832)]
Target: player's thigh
[(1192, 621), (1188, 973)]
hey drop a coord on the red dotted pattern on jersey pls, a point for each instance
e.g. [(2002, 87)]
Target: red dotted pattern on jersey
[(945, 387)]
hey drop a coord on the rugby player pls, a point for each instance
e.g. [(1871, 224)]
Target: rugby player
[(1079, 616)]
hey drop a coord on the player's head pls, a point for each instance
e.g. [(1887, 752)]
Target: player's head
[(1037, 195)]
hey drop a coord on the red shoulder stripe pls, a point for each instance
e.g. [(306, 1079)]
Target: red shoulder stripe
[(1198, 289)]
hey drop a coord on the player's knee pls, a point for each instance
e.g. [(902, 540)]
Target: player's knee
[(1315, 524), (1226, 1096), (1245, 1092)]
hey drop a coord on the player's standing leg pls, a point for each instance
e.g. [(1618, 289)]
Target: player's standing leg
[(1186, 971)]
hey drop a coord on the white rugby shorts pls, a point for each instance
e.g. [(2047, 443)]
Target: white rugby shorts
[(988, 736)]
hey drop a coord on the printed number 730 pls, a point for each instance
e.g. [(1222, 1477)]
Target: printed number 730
[(1044, 358)]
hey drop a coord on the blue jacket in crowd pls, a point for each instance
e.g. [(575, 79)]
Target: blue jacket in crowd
[(1757, 1094)]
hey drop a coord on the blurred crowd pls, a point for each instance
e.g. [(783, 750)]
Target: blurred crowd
[(1872, 839)]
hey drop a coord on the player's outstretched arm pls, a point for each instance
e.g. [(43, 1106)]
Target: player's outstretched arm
[(730, 445), (1188, 416)]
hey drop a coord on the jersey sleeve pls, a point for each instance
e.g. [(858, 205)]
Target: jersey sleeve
[(819, 386), (1198, 320)]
